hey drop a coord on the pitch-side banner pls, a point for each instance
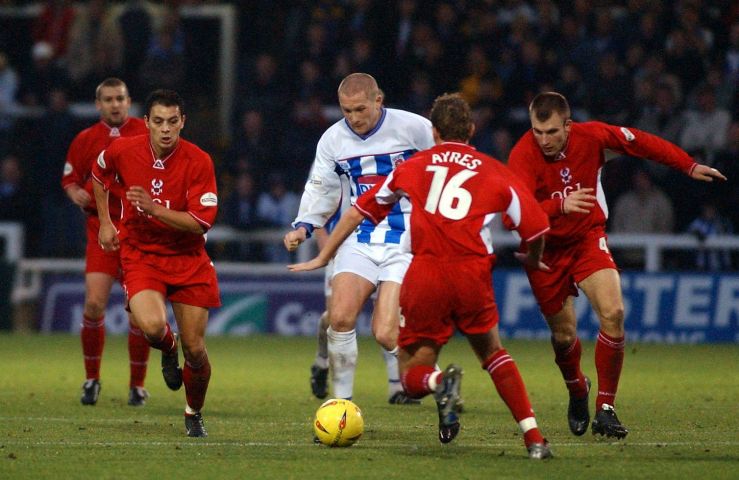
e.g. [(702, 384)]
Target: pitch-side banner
[(663, 307)]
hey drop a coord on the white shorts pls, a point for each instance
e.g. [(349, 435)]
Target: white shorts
[(376, 263)]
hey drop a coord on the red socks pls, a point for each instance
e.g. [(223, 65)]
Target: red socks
[(196, 380), (166, 343), (93, 341), (568, 360), (138, 355), (508, 382), (416, 381), (609, 358)]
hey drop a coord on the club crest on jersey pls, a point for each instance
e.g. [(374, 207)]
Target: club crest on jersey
[(627, 134), (397, 160), (566, 175), (156, 187), (158, 164), (114, 132)]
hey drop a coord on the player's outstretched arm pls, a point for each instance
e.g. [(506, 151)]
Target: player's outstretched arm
[(350, 219), (706, 173)]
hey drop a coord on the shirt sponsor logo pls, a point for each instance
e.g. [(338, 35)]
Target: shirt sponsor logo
[(67, 168), (101, 160), (627, 134), (209, 199), (315, 180)]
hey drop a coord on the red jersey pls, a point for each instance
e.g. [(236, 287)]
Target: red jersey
[(184, 181), (455, 191), (85, 149), (579, 165)]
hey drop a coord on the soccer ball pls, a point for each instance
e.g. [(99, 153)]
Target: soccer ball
[(338, 423)]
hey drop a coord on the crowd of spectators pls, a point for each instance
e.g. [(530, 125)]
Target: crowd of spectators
[(670, 67)]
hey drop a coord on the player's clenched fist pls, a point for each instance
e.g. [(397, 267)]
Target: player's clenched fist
[(293, 239), (579, 201)]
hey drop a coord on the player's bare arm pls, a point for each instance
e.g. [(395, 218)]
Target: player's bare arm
[(78, 195), (350, 220), (107, 235), (141, 199), (706, 173), (579, 201)]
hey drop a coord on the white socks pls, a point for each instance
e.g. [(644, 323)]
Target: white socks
[(342, 356), (393, 376)]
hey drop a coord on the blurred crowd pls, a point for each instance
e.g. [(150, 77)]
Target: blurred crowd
[(669, 67)]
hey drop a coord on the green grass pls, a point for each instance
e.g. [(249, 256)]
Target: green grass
[(681, 404)]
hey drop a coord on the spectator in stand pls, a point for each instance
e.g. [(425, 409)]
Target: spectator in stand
[(661, 117), (63, 222), (708, 224), (277, 207), (15, 198), (705, 127), (42, 76), (8, 90), (52, 26), (164, 65), (655, 214), (254, 142), (136, 26), (612, 104), (262, 88), (240, 211), (95, 43)]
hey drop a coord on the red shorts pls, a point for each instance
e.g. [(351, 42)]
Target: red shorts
[(570, 265), (187, 278), (437, 296), (96, 259)]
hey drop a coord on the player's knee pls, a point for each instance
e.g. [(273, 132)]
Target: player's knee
[(194, 351), (386, 339), (94, 308), (613, 317), (562, 338), (341, 322)]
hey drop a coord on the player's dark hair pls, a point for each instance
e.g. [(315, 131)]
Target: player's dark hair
[(545, 104), (452, 117), (110, 82), (167, 98)]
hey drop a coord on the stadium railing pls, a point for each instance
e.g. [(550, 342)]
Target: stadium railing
[(29, 271)]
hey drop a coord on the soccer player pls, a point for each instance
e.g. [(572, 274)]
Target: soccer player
[(103, 268), (170, 202), (455, 192), (366, 145), (560, 162)]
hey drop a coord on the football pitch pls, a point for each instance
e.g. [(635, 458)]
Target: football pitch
[(681, 404)]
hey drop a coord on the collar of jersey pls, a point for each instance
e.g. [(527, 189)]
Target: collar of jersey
[(164, 160), (111, 127), (371, 132)]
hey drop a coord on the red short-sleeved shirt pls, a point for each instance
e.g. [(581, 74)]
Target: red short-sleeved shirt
[(84, 151), (184, 181)]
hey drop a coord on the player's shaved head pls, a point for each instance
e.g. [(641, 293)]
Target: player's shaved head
[(110, 82), (359, 83), (547, 103), (452, 118)]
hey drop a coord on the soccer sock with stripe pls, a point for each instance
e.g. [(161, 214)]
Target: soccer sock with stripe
[(609, 358), (421, 380), (138, 355), (510, 386), (342, 355), (92, 335), (393, 377), (196, 376), (567, 359), (165, 342), (322, 352)]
